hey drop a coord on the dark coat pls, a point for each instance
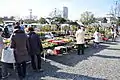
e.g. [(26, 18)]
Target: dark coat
[(6, 33), (35, 43), (20, 44)]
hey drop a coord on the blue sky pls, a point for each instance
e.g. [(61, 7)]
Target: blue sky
[(42, 8)]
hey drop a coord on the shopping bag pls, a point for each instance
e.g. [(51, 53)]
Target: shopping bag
[(8, 55)]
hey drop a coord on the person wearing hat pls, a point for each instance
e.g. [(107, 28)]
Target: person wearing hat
[(35, 49), (80, 38), (20, 44)]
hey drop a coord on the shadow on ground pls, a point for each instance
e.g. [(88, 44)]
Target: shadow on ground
[(110, 43), (51, 71), (71, 59), (106, 56), (112, 48)]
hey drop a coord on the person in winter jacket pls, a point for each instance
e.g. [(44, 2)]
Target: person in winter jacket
[(20, 44), (35, 49)]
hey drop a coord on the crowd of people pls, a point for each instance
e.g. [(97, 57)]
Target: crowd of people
[(114, 32), (98, 37), (26, 45), (80, 38)]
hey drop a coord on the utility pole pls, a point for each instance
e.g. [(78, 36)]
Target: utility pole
[(116, 3), (55, 12), (30, 14)]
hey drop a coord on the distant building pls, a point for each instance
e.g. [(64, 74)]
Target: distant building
[(65, 12)]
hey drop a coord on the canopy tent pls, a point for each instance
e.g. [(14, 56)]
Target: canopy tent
[(63, 25), (80, 23)]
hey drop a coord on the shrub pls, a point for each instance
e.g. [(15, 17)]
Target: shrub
[(41, 33)]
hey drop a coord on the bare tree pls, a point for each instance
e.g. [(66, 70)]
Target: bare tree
[(87, 18)]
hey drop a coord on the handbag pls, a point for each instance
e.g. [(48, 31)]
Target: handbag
[(8, 55)]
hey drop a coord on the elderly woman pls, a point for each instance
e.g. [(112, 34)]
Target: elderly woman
[(19, 42)]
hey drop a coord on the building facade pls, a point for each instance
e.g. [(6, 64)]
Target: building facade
[(65, 12)]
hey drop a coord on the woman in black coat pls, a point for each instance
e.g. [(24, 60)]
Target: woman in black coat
[(20, 44), (35, 49)]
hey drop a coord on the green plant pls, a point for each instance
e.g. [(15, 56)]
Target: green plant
[(53, 27), (73, 27), (40, 33), (46, 28), (66, 28)]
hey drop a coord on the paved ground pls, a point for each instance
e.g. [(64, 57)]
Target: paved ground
[(96, 64)]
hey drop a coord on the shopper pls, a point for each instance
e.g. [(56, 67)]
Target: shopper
[(19, 42), (4, 70), (35, 49), (6, 33), (80, 38), (97, 39), (26, 29), (22, 26), (114, 33)]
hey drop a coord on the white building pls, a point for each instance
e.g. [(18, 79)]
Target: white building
[(65, 12)]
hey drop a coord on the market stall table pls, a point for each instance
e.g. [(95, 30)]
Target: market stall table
[(58, 42)]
